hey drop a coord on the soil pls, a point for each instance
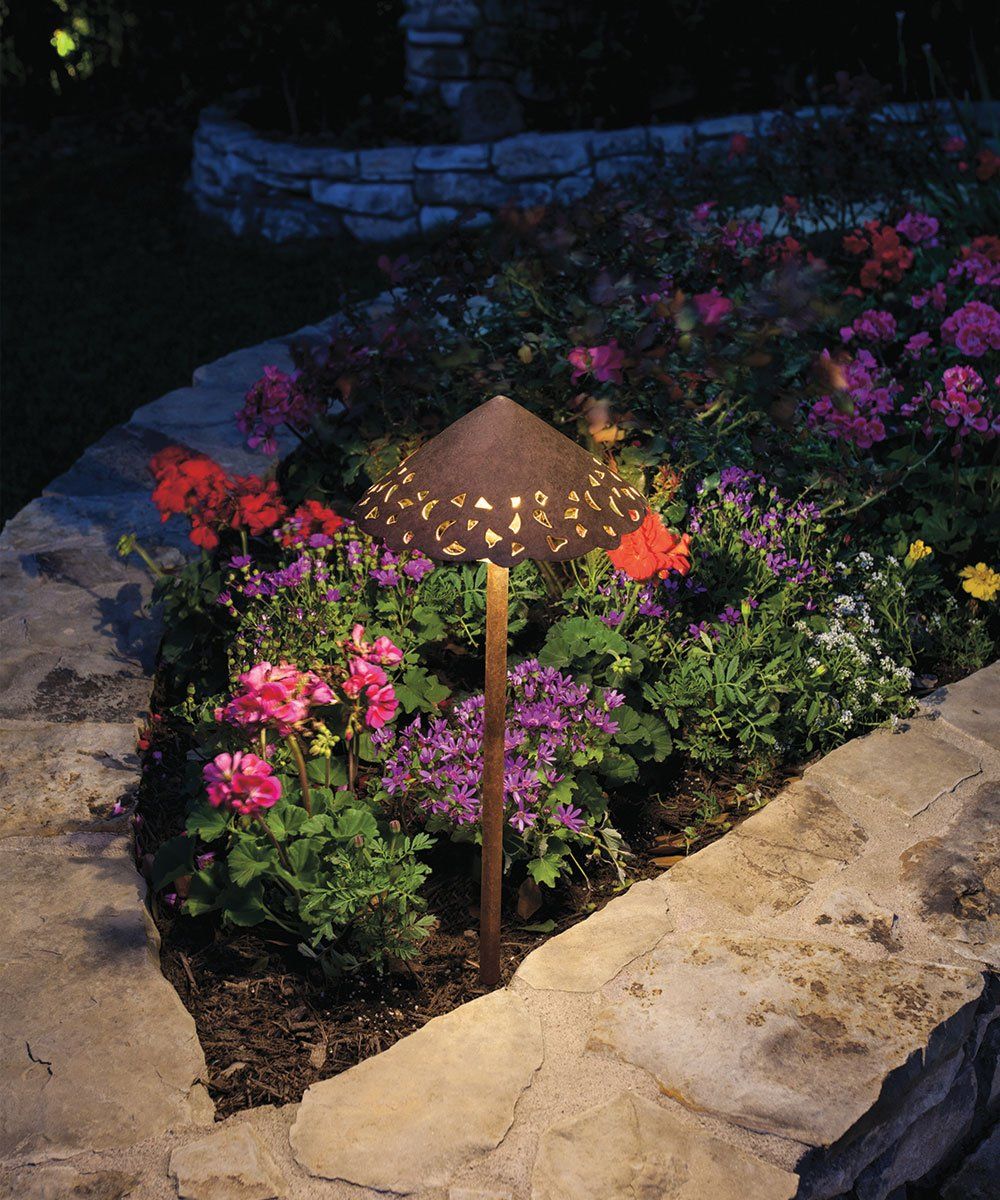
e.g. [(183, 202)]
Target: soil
[(271, 1024)]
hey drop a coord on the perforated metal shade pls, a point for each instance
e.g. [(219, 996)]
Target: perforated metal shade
[(502, 485)]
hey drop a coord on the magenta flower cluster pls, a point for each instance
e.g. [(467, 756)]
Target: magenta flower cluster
[(242, 781), (604, 363), (874, 325), (891, 378), (367, 681), (276, 697), (439, 763), (276, 399), (974, 328), (961, 404), (859, 414), (385, 567)]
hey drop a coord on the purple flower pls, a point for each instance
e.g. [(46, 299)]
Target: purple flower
[(918, 227), (437, 761), (572, 818), (418, 567)]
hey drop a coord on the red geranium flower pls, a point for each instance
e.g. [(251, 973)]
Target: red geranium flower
[(259, 506), (311, 519), (652, 550), (194, 485)]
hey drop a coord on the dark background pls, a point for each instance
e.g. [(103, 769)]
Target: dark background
[(114, 289)]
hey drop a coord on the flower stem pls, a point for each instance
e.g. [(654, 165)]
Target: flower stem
[(300, 762), (285, 860), (143, 553)]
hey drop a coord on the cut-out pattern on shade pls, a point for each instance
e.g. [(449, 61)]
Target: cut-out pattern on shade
[(501, 484)]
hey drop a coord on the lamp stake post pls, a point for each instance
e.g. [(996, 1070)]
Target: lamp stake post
[(502, 487), (495, 708)]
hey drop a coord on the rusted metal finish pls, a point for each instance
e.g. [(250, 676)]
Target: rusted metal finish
[(492, 785)]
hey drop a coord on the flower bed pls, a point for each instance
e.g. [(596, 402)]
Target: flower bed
[(813, 421)]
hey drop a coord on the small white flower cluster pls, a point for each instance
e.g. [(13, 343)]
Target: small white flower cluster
[(852, 648)]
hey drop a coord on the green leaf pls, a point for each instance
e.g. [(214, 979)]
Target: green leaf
[(618, 768), (304, 858), (353, 821), (575, 638), (418, 690), (425, 625), (243, 906), (317, 823), (207, 823), (203, 894), (546, 870), (173, 859), (246, 861)]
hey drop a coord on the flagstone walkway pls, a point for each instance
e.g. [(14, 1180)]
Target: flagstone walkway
[(808, 1008)]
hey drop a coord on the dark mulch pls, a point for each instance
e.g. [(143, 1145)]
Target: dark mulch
[(271, 1025)]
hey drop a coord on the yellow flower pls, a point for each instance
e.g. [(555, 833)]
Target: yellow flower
[(981, 581), (917, 551)]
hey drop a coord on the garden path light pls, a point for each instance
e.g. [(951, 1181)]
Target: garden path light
[(499, 486)]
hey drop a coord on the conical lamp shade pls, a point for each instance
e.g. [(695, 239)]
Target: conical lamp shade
[(502, 485)]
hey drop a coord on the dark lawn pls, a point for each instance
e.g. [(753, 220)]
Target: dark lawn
[(115, 289)]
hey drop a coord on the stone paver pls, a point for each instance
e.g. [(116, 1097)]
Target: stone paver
[(60, 686), (756, 1030), (96, 1049), (955, 876), (776, 856), (908, 771), (60, 1181), (238, 370), (970, 706), (229, 1164), (55, 778), (409, 1117), (632, 1149), (588, 955)]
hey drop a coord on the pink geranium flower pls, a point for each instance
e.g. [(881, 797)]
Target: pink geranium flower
[(382, 705), (603, 362), (916, 345), (712, 307), (974, 328), (363, 674), (918, 227), (385, 652), (277, 696), (874, 325), (242, 782), (936, 297)]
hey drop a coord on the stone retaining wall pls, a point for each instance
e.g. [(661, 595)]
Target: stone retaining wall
[(465, 55), (808, 1008), (281, 190)]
